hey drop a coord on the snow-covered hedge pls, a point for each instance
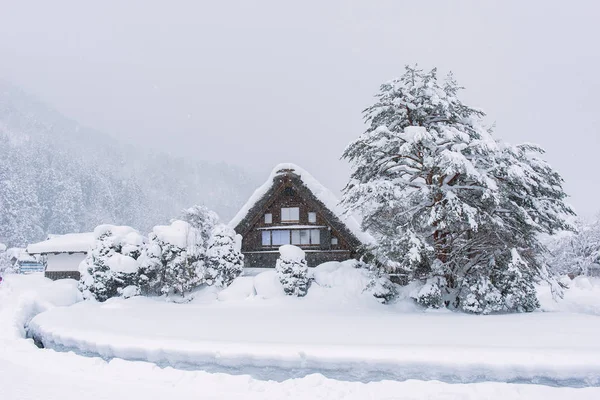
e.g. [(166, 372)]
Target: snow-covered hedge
[(173, 260)]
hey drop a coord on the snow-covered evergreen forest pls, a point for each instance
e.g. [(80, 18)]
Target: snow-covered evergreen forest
[(59, 177)]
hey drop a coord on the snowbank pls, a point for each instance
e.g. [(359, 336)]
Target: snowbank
[(321, 192), (30, 295), (582, 296), (336, 330), (267, 285), (28, 373), (342, 277)]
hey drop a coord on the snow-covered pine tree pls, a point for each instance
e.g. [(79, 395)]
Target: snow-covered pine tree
[(224, 260), (292, 270), (448, 203), (176, 252), (111, 268)]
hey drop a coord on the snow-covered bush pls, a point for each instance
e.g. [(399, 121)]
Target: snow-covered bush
[(478, 295), (4, 259), (201, 218), (173, 262), (112, 264), (292, 270), (576, 253), (431, 293), (380, 286), (447, 203), (224, 259)]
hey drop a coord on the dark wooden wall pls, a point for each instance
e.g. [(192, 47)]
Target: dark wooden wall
[(285, 198)]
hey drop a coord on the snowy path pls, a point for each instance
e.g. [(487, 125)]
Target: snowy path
[(286, 338)]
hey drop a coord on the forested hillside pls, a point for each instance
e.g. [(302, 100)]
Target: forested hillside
[(57, 176)]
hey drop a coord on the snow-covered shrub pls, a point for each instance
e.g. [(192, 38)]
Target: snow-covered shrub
[(174, 258), (112, 263), (430, 295), (130, 291), (576, 253), (478, 295), (441, 195), (380, 286), (201, 218), (292, 270), (516, 286), (4, 260), (224, 259)]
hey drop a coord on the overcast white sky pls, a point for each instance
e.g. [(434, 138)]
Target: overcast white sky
[(257, 83)]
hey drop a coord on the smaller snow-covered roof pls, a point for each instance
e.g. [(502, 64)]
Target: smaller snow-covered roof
[(324, 195), (69, 243)]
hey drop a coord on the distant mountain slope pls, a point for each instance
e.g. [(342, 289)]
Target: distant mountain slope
[(59, 177)]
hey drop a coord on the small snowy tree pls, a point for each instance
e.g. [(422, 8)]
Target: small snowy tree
[(4, 259), (380, 285), (175, 258), (224, 260), (292, 270), (201, 218), (576, 253), (112, 264), (448, 203), (151, 269)]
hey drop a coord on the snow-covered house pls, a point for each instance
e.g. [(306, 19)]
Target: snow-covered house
[(292, 207), (64, 253)]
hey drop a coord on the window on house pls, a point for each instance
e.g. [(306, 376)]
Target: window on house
[(334, 240), (268, 218), (279, 238), (290, 214), (312, 217), (266, 238), (295, 237), (315, 236), (306, 236)]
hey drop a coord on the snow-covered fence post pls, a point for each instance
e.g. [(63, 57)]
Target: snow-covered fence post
[(292, 270)]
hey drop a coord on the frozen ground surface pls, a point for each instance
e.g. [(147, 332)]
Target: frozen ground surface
[(27, 372)]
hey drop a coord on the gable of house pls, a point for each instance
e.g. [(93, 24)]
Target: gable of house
[(293, 208)]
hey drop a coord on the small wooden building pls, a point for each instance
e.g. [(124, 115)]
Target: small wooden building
[(294, 208), (63, 254)]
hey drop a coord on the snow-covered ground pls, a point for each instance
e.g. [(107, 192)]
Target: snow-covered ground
[(250, 329)]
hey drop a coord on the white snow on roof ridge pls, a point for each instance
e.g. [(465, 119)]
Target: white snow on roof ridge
[(68, 243), (321, 192)]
